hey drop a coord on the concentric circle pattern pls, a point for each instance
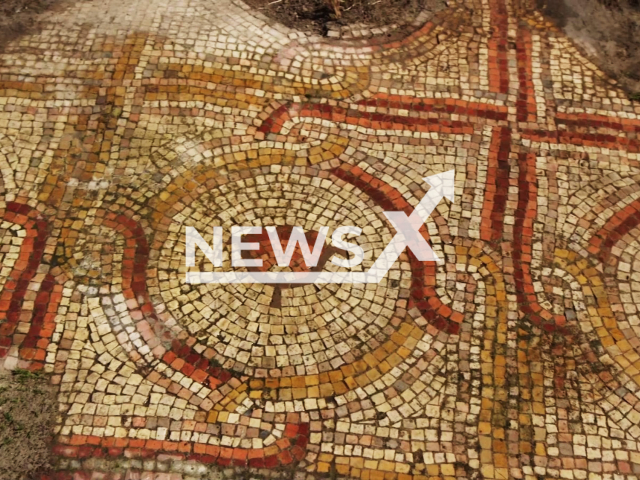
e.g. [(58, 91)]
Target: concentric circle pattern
[(260, 326)]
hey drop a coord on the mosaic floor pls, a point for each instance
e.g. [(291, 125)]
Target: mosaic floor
[(518, 357)]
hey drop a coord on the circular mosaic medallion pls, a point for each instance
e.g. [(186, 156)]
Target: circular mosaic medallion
[(275, 326)]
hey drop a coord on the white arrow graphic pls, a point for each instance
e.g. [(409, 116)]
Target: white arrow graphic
[(407, 236)]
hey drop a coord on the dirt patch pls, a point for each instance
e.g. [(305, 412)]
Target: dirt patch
[(324, 16), (28, 408), (18, 17), (608, 31)]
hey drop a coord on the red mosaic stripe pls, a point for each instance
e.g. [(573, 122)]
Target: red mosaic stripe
[(438, 105), (498, 62), (35, 344), (585, 120), (598, 140), (376, 121), (522, 247), (497, 185), (525, 103), (616, 227), (423, 294), (286, 451), (15, 288)]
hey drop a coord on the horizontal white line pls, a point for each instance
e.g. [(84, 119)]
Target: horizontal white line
[(283, 277)]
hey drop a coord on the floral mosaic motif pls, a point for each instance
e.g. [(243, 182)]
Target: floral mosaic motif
[(121, 123)]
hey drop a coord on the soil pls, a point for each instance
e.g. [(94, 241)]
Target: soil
[(28, 408), (18, 17), (608, 31), (318, 16)]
